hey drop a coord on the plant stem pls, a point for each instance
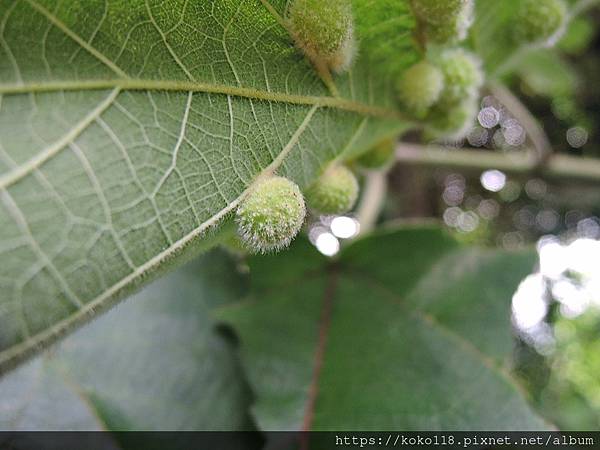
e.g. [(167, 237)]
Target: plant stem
[(557, 166), (582, 5), (541, 144), (374, 193)]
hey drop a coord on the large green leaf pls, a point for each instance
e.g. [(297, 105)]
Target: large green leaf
[(493, 32), (546, 73), (494, 40), (407, 330), (154, 362), (128, 129)]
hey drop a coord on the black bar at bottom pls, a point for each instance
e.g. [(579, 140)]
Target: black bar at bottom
[(330, 440)]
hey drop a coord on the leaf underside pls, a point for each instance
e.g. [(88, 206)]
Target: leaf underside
[(128, 130), (408, 330), (110, 376)]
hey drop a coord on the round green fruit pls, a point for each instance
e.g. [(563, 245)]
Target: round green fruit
[(335, 192), (463, 76), (540, 21), (454, 31), (271, 215), (438, 11), (420, 87), (324, 31), (453, 122)]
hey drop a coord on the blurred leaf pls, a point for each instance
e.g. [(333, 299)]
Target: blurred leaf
[(153, 363), (386, 30), (128, 129), (492, 32), (579, 35), (493, 37), (407, 330), (546, 73), (572, 397)]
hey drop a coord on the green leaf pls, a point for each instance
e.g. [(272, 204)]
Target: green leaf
[(546, 73), (579, 36), (571, 397), (407, 330), (493, 35), (127, 130), (153, 363)]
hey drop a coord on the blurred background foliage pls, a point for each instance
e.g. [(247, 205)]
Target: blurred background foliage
[(557, 349)]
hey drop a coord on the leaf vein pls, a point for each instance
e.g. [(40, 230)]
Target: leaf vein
[(62, 27), (23, 170), (14, 210), (211, 88), (431, 322), (6, 47), (167, 45), (25, 348)]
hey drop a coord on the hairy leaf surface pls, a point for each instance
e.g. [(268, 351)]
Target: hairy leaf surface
[(407, 330), (129, 129), (154, 362)]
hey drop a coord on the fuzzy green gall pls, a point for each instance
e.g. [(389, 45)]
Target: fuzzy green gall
[(271, 216), (455, 121), (540, 21), (420, 88), (438, 11), (324, 31), (463, 76), (335, 192), (453, 31)]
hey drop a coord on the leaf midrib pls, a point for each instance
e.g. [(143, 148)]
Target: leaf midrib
[(132, 84), (327, 304), (12, 355), (124, 82), (120, 85), (424, 318), (337, 270)]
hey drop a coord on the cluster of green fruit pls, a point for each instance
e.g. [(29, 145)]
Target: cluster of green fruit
[(273, 212), (442, 90)]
